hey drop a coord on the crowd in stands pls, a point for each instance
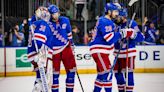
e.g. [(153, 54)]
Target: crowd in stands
[(16, 32), (17, 36)]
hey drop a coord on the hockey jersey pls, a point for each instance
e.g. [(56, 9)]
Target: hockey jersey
[(132, 42), (43, 37), (62, 33), (104, 37), (32, 19), (150, 36)]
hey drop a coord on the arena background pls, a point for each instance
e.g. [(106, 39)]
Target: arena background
[(13, 60)]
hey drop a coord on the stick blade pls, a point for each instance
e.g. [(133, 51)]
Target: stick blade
[(132, 2)]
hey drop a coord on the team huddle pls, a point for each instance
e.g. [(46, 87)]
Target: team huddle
[(51, 43)]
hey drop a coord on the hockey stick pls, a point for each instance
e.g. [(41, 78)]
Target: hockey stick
[(116, 58), (41, 67), (80, 81), (127, 44), (78, 75)]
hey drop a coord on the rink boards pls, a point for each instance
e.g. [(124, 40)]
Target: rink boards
[(148, 59)]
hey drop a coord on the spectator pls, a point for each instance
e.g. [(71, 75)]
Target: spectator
[(8, 24), (1, 37), (151, 33), (91, 34), (16, 38), (161, 38), (69, 9), (75, 31), (24, 27), (86, 39)]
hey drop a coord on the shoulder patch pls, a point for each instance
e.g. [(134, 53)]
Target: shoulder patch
[(64, 26), (42, 28)]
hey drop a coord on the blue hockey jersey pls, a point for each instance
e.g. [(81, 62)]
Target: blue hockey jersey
[(150, 36), (62, 33), (42, 35), (132, 42), (32, 19), (104, 36)]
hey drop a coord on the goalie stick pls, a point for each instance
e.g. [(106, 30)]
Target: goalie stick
[(40, 67)]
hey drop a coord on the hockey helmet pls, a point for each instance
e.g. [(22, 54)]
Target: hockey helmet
[(123, 12), (111, 7), (53, 9), (42, 13)]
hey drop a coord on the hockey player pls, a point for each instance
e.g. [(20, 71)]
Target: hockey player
[(41, 41), (120, 66), (102, 45), (62, 50)]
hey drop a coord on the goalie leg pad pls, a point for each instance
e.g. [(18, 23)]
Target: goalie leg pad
[(55, 85), (38, 86), (70, 81)]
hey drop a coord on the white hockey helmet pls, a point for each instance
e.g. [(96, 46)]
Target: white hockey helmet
[(42, 13)]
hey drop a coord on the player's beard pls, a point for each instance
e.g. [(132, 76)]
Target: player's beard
[(118, 20), (114, 14), (55, 16)]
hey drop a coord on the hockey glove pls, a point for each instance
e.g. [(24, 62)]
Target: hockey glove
[(127, 33)]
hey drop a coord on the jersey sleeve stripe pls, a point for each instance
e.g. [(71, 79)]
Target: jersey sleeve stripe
[(69, 35), (40, 37), (108, 36)]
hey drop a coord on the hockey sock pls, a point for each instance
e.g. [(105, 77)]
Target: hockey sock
[(120, 81), (70, 81), (37, 76), (98, 83), (130, 86), (55, 85), (107, 82), (38, 83)]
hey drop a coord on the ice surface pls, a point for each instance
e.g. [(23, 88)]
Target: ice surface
[(144, 82)]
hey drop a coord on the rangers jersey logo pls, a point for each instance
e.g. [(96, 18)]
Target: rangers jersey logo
[(64, 26)]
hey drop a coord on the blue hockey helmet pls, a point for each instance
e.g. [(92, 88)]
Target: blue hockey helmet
[(111, 7), (123, 12), (53, 9)]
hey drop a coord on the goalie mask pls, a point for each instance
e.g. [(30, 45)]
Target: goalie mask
[(42, 13)]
